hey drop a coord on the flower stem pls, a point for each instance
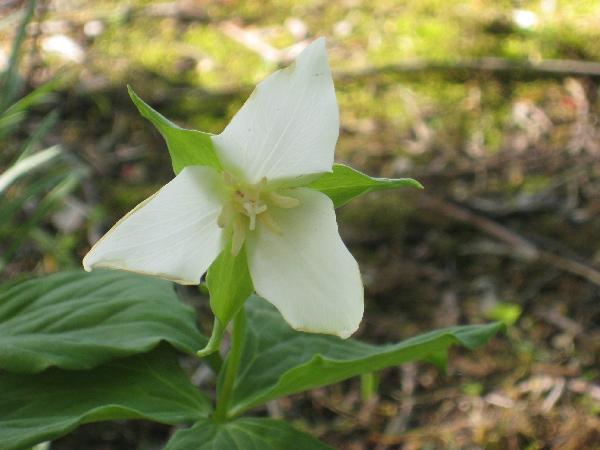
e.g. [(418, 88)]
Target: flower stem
[(231, 366)]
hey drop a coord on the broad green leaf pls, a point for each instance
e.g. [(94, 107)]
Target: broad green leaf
[(78, 320), (187, 147), (244, 434), (41, 407), (346, 183), (279, 361)]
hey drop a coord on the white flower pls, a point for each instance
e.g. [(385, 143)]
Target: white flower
[(282, 137)]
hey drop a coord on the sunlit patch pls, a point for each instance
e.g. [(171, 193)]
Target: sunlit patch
[(247, 204)]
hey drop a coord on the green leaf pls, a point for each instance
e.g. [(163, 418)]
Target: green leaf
[(278, 360), (345, 183), (9, 78), (39, 95), (187, 147), (30, 164), (40, 407), (244, 434), (78, 320)]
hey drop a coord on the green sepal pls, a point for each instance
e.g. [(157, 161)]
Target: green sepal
[(214, 343), (186, 147), (345, 183), (244, 434), (278, 361), (42, 407), (229, 284)]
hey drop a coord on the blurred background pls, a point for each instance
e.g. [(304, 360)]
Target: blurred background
[(492, 105)]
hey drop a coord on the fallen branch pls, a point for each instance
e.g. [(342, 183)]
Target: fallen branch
[(521, 247), (548, 67)]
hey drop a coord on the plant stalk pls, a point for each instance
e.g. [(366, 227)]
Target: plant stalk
[(231, 366)]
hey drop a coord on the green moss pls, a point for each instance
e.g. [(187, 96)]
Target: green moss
[(227, 63), (144, 43)]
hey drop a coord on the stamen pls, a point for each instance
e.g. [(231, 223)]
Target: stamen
[(267, 220), (283, 201), (226, 215), (238, 236)]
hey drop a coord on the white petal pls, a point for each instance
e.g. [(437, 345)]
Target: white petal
[(173, 234), (289, 125), (306, 271)]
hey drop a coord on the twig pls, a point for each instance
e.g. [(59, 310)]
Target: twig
[(549, 67), (521, 247), (581, 386), (571, 266), (556, 318), (554, 395)]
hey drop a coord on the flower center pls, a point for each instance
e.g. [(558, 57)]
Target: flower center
[(248, 203)]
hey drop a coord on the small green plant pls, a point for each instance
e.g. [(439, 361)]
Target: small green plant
[(33, 180), (254, 208)]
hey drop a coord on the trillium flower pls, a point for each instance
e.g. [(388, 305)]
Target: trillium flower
[(282, 138)]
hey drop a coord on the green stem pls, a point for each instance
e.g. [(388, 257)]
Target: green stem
[(231, 366), (368, 386)]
